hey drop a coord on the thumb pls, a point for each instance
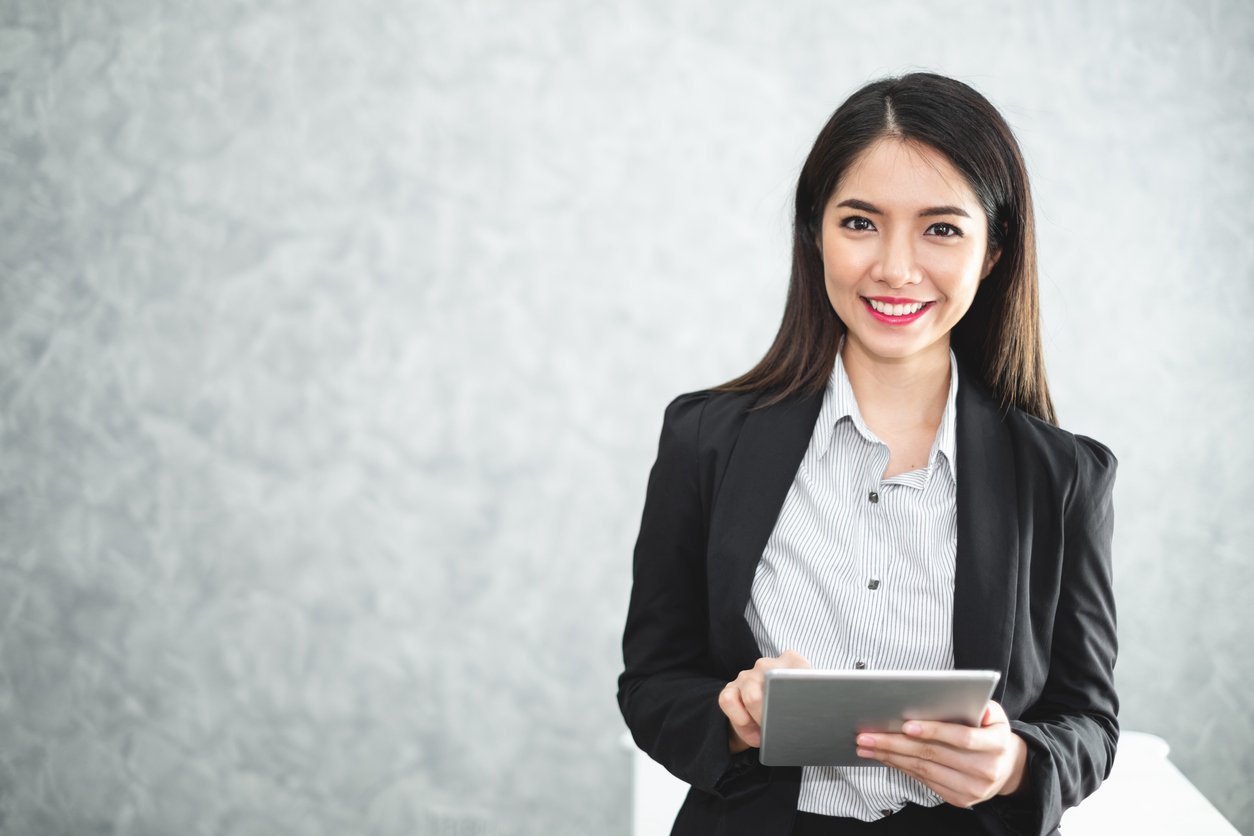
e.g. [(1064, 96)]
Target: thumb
[(793, 659), (993, 714)]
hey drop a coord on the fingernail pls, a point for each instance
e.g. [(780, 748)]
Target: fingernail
[(912, 728), (866, 740), (865, 753)]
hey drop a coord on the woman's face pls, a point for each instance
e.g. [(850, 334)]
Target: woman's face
[(903, 241)]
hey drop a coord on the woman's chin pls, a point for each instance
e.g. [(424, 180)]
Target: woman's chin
[(897, 348)]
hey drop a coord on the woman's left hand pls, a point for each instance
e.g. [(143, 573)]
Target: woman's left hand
[(961, 764)]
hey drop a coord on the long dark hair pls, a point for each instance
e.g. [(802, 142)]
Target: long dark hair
[(999, 338)]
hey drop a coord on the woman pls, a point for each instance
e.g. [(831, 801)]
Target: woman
[(887, 488)]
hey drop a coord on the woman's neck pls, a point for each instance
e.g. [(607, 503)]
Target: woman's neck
[(896, 395)]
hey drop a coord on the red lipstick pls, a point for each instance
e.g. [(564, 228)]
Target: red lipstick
[(888, 319)]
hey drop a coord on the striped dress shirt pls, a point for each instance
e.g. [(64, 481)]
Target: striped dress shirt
[(859, 573)]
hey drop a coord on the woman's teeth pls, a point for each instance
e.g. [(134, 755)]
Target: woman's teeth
[(896, 310)]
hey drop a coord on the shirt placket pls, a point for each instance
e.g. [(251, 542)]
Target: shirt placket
[(871, 565)]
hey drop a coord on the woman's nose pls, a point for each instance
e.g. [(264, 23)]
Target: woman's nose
[(898, 265)]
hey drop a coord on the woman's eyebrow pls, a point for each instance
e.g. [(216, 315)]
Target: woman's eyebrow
[(862, 205)]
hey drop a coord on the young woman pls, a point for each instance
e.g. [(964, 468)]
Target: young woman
[(887, 488)]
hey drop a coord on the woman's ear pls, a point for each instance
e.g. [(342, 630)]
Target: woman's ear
[(994, 252), (990, 261)]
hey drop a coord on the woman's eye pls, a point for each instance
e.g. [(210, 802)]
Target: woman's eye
[(946, 230), (857, 222)]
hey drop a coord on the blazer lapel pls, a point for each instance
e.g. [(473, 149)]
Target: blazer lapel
[(760, 471), (987, 562)]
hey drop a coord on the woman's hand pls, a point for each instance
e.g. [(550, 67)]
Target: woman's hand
[(962, 765), (741, 699)]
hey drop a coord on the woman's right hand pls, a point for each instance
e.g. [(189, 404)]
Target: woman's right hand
[(741, 699)]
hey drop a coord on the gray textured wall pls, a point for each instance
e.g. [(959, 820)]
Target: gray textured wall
[(334, 341)]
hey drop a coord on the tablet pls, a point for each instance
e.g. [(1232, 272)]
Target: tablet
[(812, 717)]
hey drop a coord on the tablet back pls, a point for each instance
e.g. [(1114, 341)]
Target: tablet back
[(811, 717)]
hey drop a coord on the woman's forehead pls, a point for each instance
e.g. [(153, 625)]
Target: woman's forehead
[(895, 174)]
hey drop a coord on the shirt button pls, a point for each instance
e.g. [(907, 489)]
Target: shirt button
[(860, 665), (886, 813), (874, 583), (873, 496)]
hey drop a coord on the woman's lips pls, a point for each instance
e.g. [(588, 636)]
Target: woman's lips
[(889, 319)]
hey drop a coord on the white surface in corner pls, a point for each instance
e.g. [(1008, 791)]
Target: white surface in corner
[(1144, 794)]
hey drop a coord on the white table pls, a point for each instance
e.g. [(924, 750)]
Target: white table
[(1145, 794)]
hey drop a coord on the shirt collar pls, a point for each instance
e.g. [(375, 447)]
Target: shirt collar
[(839, 403)]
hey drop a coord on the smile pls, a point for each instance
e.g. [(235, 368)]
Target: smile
[(896, 312)]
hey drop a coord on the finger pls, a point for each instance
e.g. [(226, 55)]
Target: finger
[(751, 734), (973, 775), (900, 746), (742, 722), (937, 775), (729, 701), (955, 735), (793, 659), (979, 767), (751, 695), (738, 715), (953, 786)]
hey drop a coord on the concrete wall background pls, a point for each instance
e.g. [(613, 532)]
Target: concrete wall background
[(334, 341)]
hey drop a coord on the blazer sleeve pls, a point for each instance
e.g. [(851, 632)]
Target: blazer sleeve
[(668, 690), (1073, 728)]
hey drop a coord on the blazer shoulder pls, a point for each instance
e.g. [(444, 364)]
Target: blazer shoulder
[(708, 414), (1083, 463)]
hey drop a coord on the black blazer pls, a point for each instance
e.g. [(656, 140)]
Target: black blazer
[(1032, 599)]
